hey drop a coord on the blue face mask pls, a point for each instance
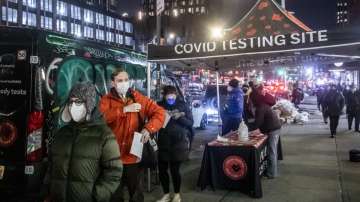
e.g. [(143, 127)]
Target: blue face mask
[(170, 101)]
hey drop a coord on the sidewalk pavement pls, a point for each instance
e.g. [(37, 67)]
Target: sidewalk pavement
[(315, 168)]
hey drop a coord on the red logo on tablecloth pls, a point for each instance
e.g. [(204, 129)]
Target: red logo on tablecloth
[(235, 167)]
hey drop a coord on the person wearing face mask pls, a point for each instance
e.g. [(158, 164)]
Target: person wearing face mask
[(233, 107), (173, 142), (334, 103), (125, 111), (353, 107), (84, 158)]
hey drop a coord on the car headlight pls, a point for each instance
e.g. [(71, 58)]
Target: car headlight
[(211, 111)]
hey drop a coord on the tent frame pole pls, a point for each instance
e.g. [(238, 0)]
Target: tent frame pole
[(148, 79), (218, 102)]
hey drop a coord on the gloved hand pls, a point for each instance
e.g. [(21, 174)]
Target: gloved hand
[(135, 107), (146, 136)]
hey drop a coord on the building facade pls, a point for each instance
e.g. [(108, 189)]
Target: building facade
[(95, 20), (180, 20), (348, 13)]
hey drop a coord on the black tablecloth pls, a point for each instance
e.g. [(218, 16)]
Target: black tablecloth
[(235, 165)]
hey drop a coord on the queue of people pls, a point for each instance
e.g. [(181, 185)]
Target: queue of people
[(91, 160)]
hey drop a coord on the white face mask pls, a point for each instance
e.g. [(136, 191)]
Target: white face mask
[(77, 112), (122, 87)]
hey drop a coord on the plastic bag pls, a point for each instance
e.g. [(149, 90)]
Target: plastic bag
[(243, 132)]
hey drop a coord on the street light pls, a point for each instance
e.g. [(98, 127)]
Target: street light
[(171, 36), (338, 64), (217, 32), (140, 15), (175, 12)]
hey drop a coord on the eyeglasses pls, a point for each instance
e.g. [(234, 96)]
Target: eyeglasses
[(77, 102)]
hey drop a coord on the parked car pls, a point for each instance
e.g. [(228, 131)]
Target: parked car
[(200, 115)]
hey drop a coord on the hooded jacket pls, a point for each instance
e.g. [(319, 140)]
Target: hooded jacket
[(84, 157), (124, 125), (84, 164)]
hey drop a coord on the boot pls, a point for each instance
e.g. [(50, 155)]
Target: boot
[(176, 198), (165, 198)]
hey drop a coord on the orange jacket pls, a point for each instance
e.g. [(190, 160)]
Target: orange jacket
[(125, 124)]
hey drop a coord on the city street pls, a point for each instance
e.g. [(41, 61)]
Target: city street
[(315, 167)]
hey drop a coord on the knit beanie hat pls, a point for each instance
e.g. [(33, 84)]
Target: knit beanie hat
[(84, 91)]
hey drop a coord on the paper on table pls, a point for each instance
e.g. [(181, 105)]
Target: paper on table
[(137, 145), (167, 119)]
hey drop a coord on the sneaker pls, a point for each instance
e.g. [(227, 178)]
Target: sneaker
[(165, 198), (176, 198)]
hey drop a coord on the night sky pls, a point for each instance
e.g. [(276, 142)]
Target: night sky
[(317, 14)]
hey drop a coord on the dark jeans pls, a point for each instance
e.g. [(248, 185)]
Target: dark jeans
[(334, 122), (351, 117), (175, 176), (230, 124), (132, 178)]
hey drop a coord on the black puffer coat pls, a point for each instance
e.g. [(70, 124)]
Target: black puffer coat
[(173, 141), (334, 103), (353, 102)]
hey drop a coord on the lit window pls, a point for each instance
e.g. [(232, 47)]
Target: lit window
[(88, 16), (88, 32), (15, 1), (99, 19), (128, 41), (183, 3), (203, 9), (46, 5), (11, 15), (61, 8), (119, 39), (29, 19), (61, 26), (128, 27), (119, 25), (190, 10), (345, 20), (109, 22), (75, 12), (75, 29), (100, 34), (46, 22), (345, 4), (30, 3), (197, 9), (109, 37)]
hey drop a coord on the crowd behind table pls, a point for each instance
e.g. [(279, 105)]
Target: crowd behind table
[(126, 112)]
